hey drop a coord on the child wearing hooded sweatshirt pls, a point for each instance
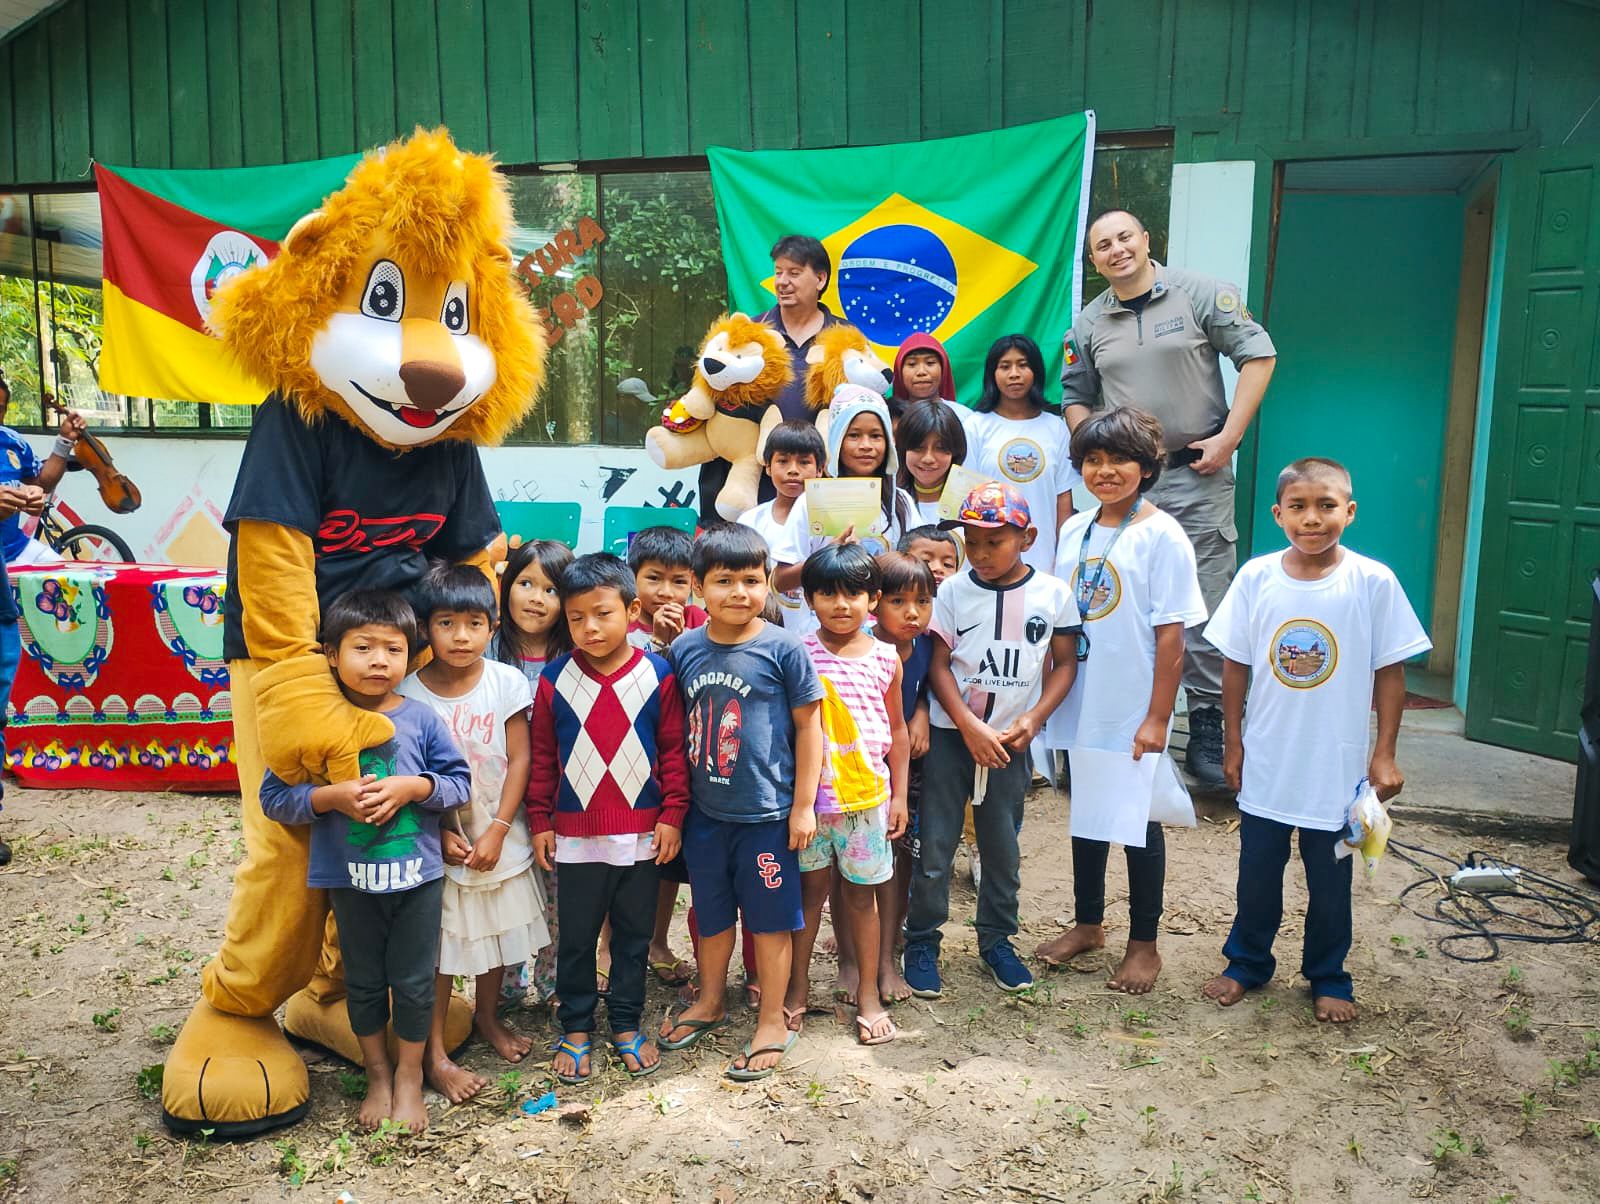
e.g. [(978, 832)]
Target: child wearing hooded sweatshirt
[(922, 373), (860, 444)]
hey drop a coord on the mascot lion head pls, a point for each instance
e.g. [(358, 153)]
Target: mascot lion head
[(841, 355), (394, 306)]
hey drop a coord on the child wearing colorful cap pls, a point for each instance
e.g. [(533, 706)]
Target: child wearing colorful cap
[(996, 623)]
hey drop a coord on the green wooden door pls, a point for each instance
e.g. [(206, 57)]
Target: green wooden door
[(1541, 528)]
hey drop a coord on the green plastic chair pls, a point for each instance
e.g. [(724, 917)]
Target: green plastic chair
[(623, 522), (541, 520)]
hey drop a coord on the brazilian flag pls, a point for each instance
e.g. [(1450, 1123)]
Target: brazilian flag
[(964, 238)]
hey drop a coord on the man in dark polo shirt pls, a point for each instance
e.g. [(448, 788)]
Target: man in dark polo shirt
[(800, 272), (1152, 340)]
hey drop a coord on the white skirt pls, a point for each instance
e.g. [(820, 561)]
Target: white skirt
[(487, 927)]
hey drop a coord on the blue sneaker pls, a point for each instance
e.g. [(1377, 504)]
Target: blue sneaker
[(1004, 966), (922, 971)]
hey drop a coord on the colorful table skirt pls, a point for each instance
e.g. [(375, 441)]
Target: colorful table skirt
[(122, 684)]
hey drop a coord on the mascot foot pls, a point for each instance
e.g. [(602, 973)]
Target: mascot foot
[(326, 1024), (235, 1076)]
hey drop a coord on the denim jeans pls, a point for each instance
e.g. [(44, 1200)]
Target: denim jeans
[(947, 777), (1263, 856)]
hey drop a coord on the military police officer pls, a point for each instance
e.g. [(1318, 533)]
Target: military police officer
[(1152, 340)]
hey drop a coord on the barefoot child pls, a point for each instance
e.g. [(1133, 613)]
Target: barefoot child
[(532, 633), (861, 802), (1132, 570), (755, 758), (493, 916), (606, 802), (996, 623), (375, 849), (931, 438), (795, 454), (902, 614), (1316, 633)]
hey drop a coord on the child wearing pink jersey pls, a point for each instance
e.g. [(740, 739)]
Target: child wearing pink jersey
[(861, 802)]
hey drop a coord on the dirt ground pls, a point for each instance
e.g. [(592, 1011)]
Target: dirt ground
[(1459, 1082)]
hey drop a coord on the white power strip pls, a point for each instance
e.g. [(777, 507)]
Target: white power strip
[(1487, 878)]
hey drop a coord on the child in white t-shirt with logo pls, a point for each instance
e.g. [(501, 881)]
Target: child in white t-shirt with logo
[(794, 453), (1133, 571), (1317, 633)]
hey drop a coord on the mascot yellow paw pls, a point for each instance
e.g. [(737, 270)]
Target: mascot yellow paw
[(258, 1084), (326, 1023), (308, 728)]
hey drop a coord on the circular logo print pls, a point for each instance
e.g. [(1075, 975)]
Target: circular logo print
[(1036, 628), (226, 255), (1022, 460), (1107, 593), (1304, 654), (895, 281)]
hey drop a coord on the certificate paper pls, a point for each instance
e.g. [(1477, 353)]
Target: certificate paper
[(957, 485), (835, 504), (1111, 795)]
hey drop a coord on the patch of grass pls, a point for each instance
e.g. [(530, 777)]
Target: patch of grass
[(290, 1164), (815, 1093), (1148, 1113), (340, 1150), (353, 1084), (1591, 1129), (106, 1022), (1448, 1143), (1563, 1073), (142, 1142), (1513, 979), (1077, 1118), (510, 1083), (1173, 1187), (1518, 1022), (381, 1145), (149, 1081), (1353, 1148), (10, 1168), (163, 1034)]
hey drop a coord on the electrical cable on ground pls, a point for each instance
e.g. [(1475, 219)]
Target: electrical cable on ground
[(1538, 911)]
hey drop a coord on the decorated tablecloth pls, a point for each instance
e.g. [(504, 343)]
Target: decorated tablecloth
[(122, 684)]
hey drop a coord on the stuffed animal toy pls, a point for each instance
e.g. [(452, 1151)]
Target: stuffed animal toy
[(394, 339), (841, 355), (743, 364)]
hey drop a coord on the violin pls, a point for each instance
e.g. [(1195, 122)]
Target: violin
[(120, 494)]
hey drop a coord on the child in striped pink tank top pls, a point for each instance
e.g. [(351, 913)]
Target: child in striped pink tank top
[(861, 803)]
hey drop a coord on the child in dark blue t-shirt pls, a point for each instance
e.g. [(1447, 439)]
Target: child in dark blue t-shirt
[(375, 849), (904, 611), (754, 739)]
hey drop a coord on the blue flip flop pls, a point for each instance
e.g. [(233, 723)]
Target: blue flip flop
[(578, 1052), (632, 1048)]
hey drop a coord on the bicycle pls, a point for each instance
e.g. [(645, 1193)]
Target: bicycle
[(84, 542)]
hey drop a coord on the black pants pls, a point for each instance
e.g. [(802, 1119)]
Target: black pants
[(588, 895), (1147, 877), (391, 947)]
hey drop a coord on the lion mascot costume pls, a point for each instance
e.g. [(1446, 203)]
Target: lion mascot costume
[(395, 340), (727, 412)]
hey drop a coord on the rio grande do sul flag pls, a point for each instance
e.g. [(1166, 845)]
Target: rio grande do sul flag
[(170, 238), (964, 238)]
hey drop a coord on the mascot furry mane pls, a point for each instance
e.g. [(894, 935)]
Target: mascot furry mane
[(736, 333), (394, 306), (841, 355)]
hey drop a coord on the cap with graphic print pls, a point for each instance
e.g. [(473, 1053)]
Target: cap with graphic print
[(992, 505)]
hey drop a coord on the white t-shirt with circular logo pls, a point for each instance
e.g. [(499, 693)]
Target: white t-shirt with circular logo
[(1312, 648), (1032, 455)]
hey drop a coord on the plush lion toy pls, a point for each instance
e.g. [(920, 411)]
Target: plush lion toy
[(394, 339), (743, 364), (841, 355)]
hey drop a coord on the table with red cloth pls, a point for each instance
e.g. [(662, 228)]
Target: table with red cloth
[(122, 685)]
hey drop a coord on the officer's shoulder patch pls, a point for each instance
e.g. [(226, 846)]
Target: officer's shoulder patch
[(1227, 300)]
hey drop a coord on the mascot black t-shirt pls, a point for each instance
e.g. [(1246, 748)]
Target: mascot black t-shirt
[(375, 516)]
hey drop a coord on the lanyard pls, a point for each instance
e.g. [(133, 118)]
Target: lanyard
[(1099, 569)]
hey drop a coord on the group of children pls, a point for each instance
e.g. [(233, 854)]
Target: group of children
[(817, 728)]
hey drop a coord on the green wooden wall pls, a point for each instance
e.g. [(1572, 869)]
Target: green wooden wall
[(219, 83)]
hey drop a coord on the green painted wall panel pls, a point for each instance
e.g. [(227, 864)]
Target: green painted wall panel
[(110, 135), (30, 94), (191, 93), (375, 84), (223, 86), (8, 137), (664, 78), (508, 90), (69, 78), (261, 83), (555, 80), (608, 78), (333, 30), (774, 84), (416, 64), (224, 82), (463, 99), (719, 74), (882, 84), (819, 53)]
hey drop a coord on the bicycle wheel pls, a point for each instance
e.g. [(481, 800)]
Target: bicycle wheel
[(91, 542)]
